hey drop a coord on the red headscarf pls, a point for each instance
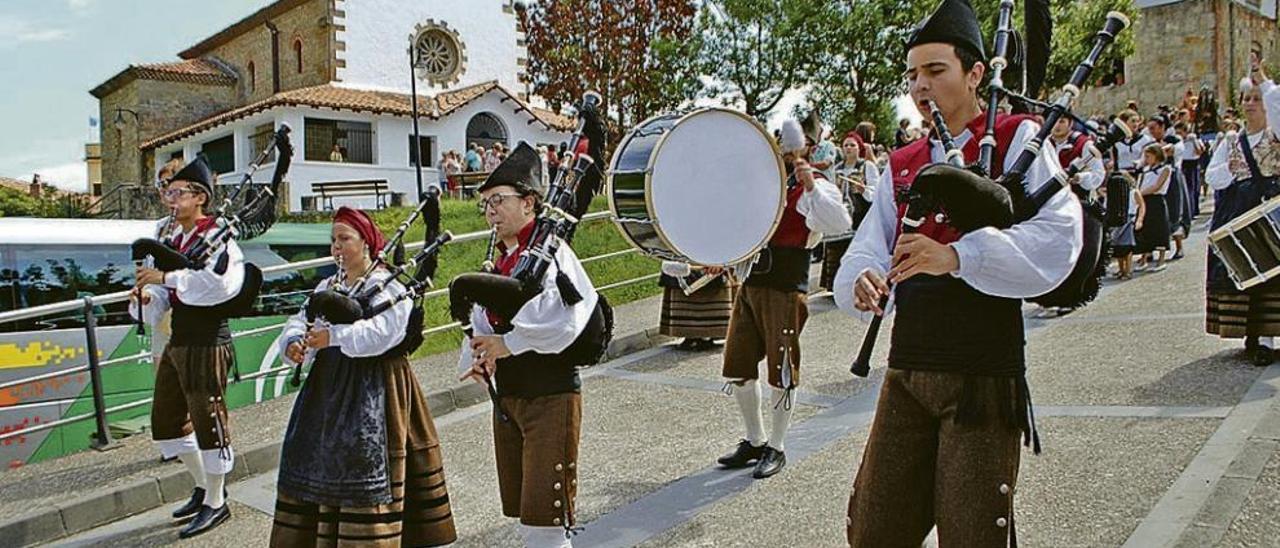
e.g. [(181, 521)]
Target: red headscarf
[(363, 226), (862, 147)]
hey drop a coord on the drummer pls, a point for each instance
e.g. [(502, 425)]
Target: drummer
[(769, 311), (1237, 171)]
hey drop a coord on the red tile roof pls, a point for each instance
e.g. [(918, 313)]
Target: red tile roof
[(192, 71), (358, 100)]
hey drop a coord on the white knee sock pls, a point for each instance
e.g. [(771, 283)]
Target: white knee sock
[(1269, 342), (213, 493), (781, 418), (195, 467), (748, 397), (543, 537)]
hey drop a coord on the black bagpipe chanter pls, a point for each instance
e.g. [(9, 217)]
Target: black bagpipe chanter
[(255, 214), (569, 194), (333, 306), (971, 200)]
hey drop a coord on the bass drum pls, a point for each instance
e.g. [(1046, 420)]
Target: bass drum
[(706, 188)]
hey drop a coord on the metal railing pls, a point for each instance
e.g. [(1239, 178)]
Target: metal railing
[(94, 366)]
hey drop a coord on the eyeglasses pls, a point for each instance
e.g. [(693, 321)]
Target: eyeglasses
[(175, 193), (493, 201)]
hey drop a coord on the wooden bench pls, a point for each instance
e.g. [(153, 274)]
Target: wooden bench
[(469, 181), (380, 189)]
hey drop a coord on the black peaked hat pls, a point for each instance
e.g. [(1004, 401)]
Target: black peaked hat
[(197, 172), (812, 126), (521, 169), (955, 23)]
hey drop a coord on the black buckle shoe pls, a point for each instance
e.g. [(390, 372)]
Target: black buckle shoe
[(771, 462), (1263, 356), (207, 519), (742, 456), (192, 506)]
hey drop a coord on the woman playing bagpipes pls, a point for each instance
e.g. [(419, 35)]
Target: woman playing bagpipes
[(361, 459)]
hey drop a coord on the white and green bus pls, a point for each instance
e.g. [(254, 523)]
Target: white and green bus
[(46, 261)]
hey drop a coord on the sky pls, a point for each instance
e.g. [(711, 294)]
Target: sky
[(52, 52)]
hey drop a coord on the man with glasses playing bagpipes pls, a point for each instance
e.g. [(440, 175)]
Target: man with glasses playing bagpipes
[(201, 275), (361, 459), (189, 414), (963, 251), (531, 319)]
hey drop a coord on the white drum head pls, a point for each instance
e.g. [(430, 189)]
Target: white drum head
[(717, 188)]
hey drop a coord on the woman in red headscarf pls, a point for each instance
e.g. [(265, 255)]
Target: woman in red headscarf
[(360, 460), (856, 176)]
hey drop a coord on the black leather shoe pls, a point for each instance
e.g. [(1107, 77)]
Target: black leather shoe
[(771, 462), (1263, 356), (742, 456), (192, 506), (207, 519)]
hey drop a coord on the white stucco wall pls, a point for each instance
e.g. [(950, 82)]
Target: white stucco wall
[(377, 39), (391, 146)]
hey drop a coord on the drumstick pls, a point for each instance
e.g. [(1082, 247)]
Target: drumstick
[(692, 288)]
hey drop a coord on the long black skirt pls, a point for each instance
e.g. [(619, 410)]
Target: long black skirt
[(1155, 225)]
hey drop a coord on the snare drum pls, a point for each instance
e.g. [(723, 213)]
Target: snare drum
[(1249, 245), (705, 187)]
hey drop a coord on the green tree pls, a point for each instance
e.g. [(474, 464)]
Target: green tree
[(861, 69), (18, 204), (1076, 22), (635, 53), (754, 51)]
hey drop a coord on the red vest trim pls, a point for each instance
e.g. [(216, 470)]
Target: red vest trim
[(1078, 142), (909, 160), (506, 262), (792, 230)]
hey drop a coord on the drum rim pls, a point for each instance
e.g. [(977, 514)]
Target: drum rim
[(648, 183)]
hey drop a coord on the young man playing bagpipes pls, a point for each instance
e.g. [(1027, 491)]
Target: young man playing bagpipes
[(943, 447), (189, 414), (770, 309), (529, 357)]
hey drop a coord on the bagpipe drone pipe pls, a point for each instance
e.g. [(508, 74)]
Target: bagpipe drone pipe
[(254, 216), (1082, 284)]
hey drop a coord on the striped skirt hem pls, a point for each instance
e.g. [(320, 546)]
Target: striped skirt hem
[(705, 314), (1235, 315)]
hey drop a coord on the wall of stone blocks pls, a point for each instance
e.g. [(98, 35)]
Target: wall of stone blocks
[(1181, 46), (161, 107), (309, 23)]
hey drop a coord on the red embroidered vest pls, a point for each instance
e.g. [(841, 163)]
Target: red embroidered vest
[(1078, 142), (909, 160)]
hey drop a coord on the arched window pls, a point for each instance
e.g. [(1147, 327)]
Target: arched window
[(486, 129), (253, 77), (297, 53)]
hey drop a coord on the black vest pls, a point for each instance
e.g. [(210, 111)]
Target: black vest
[(782, 268), (198, 326), (944, 324)]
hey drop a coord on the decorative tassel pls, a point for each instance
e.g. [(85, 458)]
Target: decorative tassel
[(568, 293), (1031, 434), (224, 261)]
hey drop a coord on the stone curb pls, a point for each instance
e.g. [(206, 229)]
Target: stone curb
[(116, 503)]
